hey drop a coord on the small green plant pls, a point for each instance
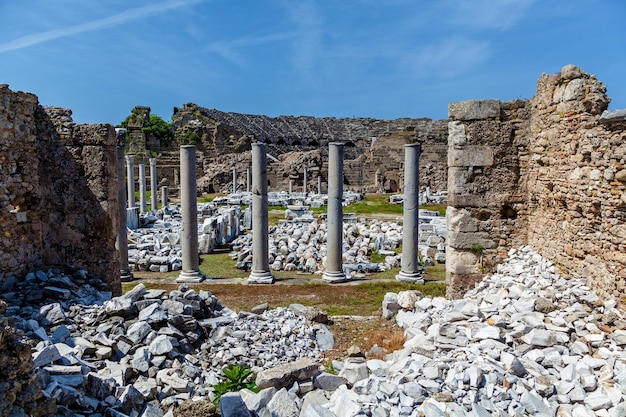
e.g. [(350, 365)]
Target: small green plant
[(237, 377), (477, 250)]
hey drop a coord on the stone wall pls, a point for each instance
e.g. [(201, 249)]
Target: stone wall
[(374, 151), (576, 179), (547, 172), (58, 191)]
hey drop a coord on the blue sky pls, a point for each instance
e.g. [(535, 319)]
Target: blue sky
[(364, 58)]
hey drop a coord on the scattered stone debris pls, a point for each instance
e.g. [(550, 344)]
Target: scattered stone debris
[(492, 353), (524, 342), (145, 351)]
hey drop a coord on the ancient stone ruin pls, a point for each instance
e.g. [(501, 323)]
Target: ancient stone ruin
[(548, 172), (546, 175), (58, 191)]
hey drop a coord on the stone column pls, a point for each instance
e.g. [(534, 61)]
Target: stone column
[(319, 184), (164, 196), (121, 243), (130, 177), (234, 180), (290, 187), (334, 220), (411, 271), (304, 181), (143, 204), (260, 273), (248, 179), (189, 212), (154, 205)]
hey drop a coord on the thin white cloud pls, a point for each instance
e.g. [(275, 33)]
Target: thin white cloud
[(448, 58), (229, 49), (117, 19), (488, 14)]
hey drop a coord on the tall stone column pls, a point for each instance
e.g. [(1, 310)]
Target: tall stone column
[(189, 212), (410, 271), (248, 179), (319, 184), (304, 182), (334, 220), (260, 273), (290, 187), (164, 196), (154, 205), (143, 204), (234, 180), (130, 177), (121, 243)]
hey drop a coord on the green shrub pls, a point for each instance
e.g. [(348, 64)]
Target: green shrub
[(238, 377)]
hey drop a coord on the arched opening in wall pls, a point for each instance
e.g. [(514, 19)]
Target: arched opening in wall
[(350, 144), (393, 186), (296, 143), (314, 143), (508, 212), (281, 142)]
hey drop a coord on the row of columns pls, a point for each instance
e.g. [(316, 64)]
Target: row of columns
[(260, 273), (130, 177)]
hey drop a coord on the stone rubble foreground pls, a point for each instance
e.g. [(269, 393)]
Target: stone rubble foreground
[(125, 355), (524, 342)]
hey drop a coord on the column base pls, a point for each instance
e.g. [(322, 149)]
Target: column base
[(261, 278), (190, 276), (412, 277), (334, 277), (126, 275)]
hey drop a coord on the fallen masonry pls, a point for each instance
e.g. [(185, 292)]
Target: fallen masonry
[(524, 342), (126, 354)]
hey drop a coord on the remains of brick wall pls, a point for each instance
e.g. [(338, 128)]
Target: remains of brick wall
[(58, 191), (547, 172)]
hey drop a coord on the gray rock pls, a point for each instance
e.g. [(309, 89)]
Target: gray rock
[(119, 306), (285, 375), (260, 309), (151, 410), (354, 370), (282, 405), (257, 401), (231, 405), (315, 410), (51, 314), (324, 337), (390, 305), (328, 382)]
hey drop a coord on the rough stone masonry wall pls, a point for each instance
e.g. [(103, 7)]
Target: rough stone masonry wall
[(547, 172), (58, 191), (576, 179), (486, 212)]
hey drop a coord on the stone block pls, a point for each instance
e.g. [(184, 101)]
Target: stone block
[(465, 240), (474, 110), (461, 220), (470, 156), (285, 375)]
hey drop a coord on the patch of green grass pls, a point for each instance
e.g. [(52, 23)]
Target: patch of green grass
[(369, 296)]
